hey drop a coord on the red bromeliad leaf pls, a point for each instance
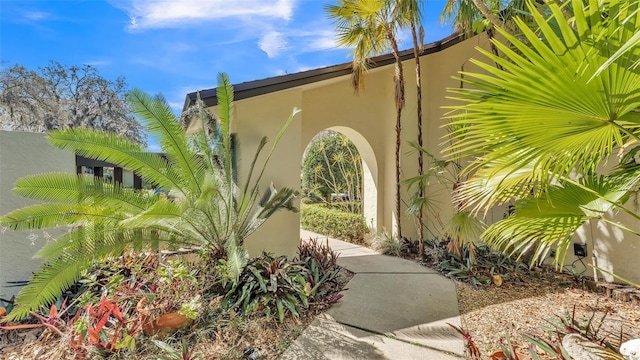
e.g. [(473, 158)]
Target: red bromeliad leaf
[(22, 326)]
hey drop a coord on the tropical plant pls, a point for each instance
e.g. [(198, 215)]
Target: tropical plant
[(370, 27), (273, 283), (544, 141), (333, 222), (464, 228), (332, 165), (410, 15), (210, 208)]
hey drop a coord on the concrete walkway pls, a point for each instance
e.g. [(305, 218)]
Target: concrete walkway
[(392, 309)]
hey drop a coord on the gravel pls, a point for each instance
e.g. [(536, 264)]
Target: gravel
[(491, 315)]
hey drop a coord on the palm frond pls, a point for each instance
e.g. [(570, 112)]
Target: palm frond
[(159, 119), (543, 104), (49, 215), (66, 266), (550, 220), (65, 187), (124, 153)]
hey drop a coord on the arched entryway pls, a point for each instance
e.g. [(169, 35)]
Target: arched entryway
[(369, 178)]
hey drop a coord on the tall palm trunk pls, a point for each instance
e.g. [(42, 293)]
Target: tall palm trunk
[(416, 55), (482, 7), (399, 101)]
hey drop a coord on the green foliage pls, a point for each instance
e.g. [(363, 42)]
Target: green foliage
[(321, 264), (332, 222), (211, 207), (386, 244), (544, 141), (274, 284), (172, 354), (478, 271), (332, 165), (353, 207)]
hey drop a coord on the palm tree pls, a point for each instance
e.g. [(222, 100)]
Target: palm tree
[(369, 27), (208, 208), (540, 129), (410, 14)]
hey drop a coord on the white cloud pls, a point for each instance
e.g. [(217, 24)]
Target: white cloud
[(273, 43), (174, 13), (36, 15), (97, 63), (321, 40)]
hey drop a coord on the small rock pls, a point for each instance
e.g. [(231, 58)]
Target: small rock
[(251, 353), (578, 347), (630, 350)]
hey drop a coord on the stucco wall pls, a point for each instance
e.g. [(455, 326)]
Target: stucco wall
[(257, 117), (24, 154), (369, 121)]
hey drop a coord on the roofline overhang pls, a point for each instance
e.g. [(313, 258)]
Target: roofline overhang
[(265, 86)]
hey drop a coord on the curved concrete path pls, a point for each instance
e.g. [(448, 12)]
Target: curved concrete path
[(392, 309)]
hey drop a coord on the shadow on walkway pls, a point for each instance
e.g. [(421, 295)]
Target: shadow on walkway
[(392, 309)]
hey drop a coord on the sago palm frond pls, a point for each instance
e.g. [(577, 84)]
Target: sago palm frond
[(159, 120), (111, 148), (85, 247), (205, 206), (49, 215), (65, 187)]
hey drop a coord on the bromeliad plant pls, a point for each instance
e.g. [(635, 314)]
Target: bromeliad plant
[(210, 207), (541, 127)]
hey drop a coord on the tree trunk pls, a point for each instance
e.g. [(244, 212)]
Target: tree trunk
[(482, 7), (399, 101), (494, 49), (416, 55)]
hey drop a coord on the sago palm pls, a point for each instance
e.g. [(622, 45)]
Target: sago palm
[(209, 207), (370, 27), (541, 130)]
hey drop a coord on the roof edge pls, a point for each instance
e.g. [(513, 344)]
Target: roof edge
[(268, 85)]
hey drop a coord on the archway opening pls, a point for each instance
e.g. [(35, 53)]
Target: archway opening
[(339, 171)]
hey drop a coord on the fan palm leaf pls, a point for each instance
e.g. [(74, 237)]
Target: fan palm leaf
[(541, 128), (549, 222), (543, 103)]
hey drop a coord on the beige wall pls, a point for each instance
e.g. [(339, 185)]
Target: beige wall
[(257, 117), (369, 121), (24, 154)]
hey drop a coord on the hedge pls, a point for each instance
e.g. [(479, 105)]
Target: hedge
[(354, 207), (331, 222)]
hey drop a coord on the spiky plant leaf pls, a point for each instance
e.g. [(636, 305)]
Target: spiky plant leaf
[(111, 148), (159, 120)]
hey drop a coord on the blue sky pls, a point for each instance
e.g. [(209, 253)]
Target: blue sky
[(178, 46)]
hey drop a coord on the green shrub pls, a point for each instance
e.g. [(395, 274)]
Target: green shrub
[(277, 285), (353, 207), (335, 223)]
